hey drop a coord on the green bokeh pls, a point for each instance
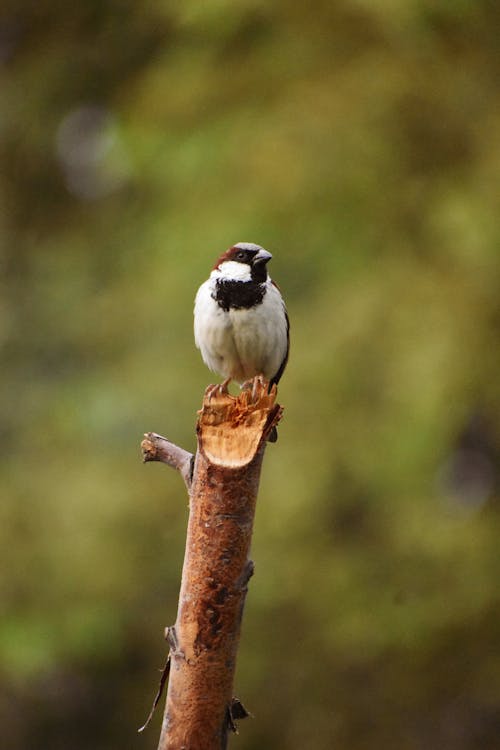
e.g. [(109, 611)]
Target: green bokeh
[(360, 144)]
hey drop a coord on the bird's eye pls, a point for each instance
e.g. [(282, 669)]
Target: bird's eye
[(240, 255)]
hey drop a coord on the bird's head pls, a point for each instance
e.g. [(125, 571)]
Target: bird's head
[(244, 261)]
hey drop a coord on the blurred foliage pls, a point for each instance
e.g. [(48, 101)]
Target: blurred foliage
[(360, 143)]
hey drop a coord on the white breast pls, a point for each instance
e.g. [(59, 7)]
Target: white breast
[(241, 343)]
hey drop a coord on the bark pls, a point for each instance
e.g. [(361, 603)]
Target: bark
[(157, 448), (232, 433)]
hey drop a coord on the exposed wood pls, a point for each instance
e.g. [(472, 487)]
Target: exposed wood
[(232, 433)]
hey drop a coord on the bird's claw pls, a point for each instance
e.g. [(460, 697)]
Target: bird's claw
[(256, 382), (219, 389), (253, 384), (224, 387)]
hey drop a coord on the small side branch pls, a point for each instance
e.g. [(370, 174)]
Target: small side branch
[(157, 448)]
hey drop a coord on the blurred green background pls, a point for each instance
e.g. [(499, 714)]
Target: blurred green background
[(360, 143)]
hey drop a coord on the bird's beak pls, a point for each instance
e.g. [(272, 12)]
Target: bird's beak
[(262, 257)]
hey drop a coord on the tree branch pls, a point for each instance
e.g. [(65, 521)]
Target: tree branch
[(232, 433), (157, 448)]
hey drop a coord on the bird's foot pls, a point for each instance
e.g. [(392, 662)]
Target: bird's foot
[(224, 387), (257, 381), (254, 384), (211, 391), (219, 389)]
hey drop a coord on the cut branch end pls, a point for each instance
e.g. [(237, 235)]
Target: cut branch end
[(232, 428)]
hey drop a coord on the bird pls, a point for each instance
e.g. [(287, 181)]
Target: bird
[(241, 325)]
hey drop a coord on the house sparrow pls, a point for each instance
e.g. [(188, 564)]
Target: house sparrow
[(240, 321)]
